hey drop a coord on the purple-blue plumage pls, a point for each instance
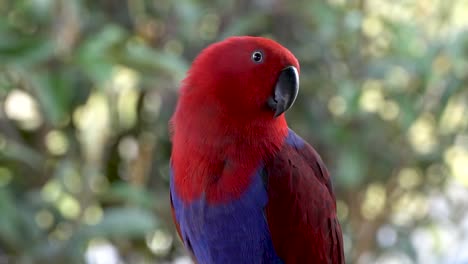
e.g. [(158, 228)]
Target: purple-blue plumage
[(294, 140), (232, 232)]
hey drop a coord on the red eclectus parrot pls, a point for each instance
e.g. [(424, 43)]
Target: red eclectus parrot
[(244, 187)]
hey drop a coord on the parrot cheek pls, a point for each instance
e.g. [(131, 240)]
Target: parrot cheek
[(285, 91)]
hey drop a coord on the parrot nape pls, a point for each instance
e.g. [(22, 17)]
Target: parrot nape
[(244, 187)]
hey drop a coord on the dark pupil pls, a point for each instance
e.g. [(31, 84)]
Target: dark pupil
[(257, 56)]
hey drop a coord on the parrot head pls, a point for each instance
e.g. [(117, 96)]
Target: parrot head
[(244, 77)]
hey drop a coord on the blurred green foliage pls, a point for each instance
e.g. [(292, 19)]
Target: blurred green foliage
[(87, 88)]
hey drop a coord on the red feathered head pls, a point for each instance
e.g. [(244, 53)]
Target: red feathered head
[(243, 77)]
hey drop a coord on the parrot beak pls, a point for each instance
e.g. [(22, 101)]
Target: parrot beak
[(286, 89)]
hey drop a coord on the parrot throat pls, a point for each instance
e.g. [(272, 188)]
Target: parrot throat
[(216, 157)]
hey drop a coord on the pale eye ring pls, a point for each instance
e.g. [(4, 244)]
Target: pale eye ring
[(257, 56)]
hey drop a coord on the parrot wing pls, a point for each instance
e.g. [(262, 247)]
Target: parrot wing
[(301, 208)]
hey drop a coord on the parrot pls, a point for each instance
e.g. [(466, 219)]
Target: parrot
[(244, 187)]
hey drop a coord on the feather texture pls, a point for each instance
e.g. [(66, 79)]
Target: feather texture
[(245, 188), (286, 214), (301, 208), (229, 232)]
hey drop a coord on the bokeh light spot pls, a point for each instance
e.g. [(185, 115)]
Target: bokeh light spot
[(456, 157), (389, 110), (454, 116), (93, 215), (69, 207), (159, 242), (52, 191), (372, 26), (93, 123), (374, 201), (128, 148), (409, 207), (100, 251), (372, 97), (337, 105), (21, 107), (386, 236), (56, 142), (409, 178), (127, 104), (44, 219), (421, 134)]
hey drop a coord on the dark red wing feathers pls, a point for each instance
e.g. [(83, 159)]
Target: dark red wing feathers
[(301, 209)]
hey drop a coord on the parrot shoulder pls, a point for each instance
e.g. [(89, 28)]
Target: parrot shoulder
[(301, 209)]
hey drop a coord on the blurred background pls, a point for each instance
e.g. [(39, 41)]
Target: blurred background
[(87, 88)]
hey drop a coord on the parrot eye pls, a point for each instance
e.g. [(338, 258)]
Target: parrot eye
[(257, 56)]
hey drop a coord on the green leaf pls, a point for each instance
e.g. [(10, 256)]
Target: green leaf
[(8, 218), (94, 55), (25, 51), (23, 153), (141, 56), (124, 192), (124, 223), (54, 93)]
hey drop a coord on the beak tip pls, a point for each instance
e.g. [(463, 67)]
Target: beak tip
[(277, 113)]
